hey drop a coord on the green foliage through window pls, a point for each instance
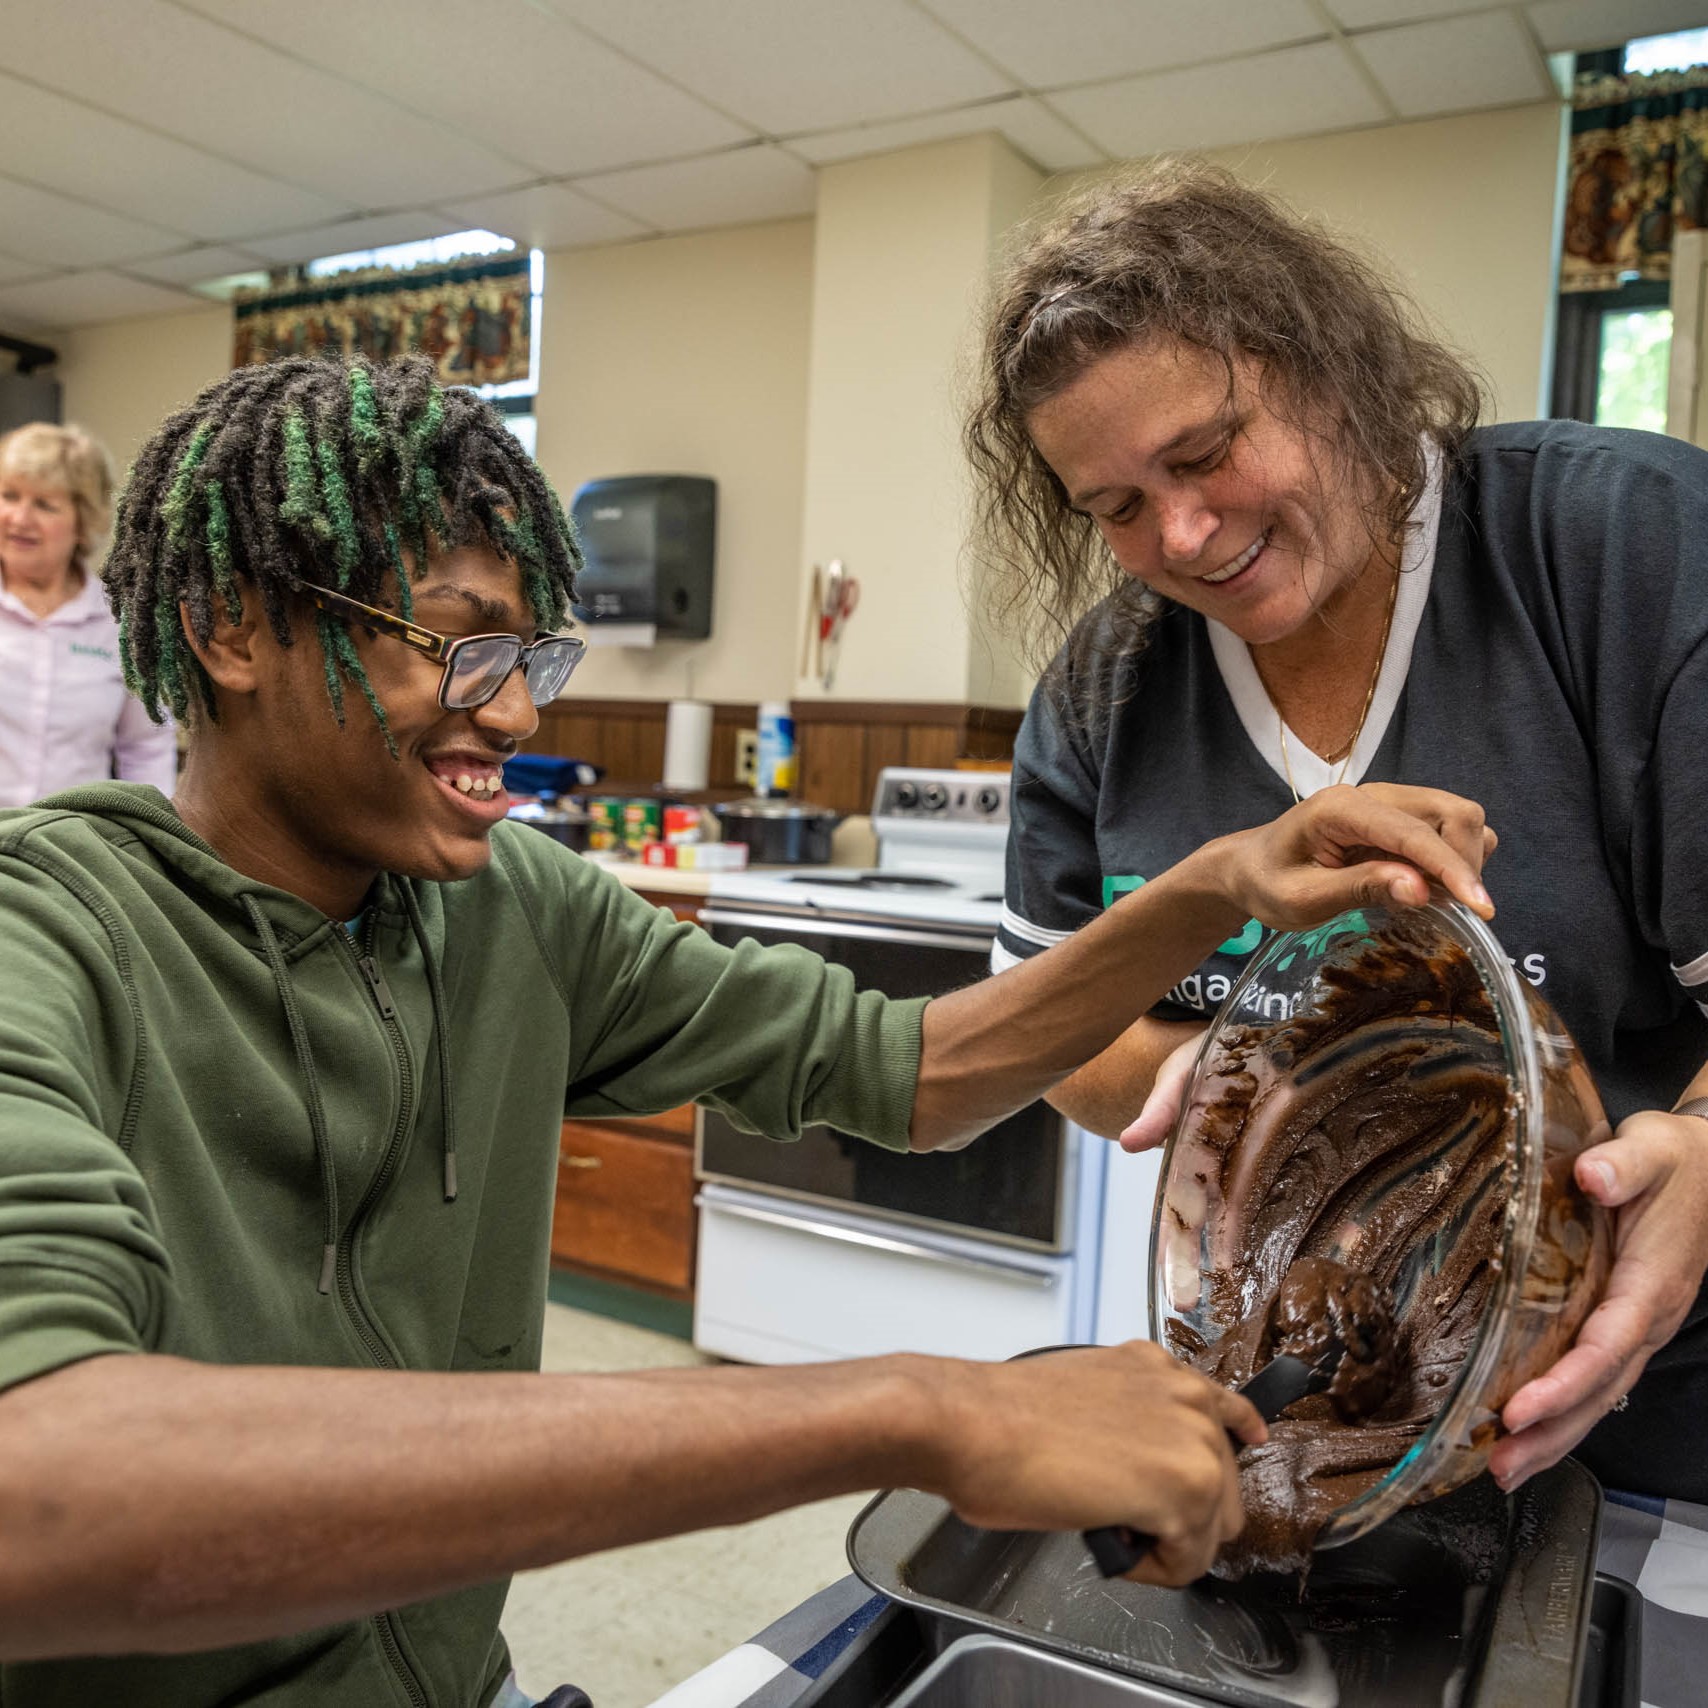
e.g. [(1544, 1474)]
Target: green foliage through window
[(1635, 345)]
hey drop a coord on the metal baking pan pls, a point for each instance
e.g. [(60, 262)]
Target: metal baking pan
[(1480, 1598), (1613, 1649), (978, 1672)]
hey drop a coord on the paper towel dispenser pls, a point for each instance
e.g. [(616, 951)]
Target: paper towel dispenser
[(647, 539)]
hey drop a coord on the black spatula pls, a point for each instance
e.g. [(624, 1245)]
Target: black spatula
[(1117, 1548)]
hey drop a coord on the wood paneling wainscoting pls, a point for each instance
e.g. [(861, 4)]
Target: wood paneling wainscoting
[(626, 737), (841, 745)]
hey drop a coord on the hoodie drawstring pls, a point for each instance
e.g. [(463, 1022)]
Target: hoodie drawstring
[(311, 1081), (436, 994)]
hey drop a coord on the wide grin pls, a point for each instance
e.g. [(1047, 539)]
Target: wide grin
[(1240, 564), (478, 784)]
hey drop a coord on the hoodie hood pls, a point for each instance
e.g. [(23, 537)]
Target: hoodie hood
[(136, 811)]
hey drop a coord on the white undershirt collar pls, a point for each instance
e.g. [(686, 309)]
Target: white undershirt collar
[(1251, 701)]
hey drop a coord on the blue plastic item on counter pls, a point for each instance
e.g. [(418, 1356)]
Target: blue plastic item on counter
[(776, 759), (548, 774)]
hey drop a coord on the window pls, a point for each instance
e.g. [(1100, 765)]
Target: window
[(1665, 53), (452, 248), (1610, 356), (514, 400), (1612, 347), (1631, 382)]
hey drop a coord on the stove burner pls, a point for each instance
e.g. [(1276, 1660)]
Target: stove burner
[(871, 881)]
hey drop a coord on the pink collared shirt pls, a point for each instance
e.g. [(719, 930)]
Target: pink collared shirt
[(66, 716)]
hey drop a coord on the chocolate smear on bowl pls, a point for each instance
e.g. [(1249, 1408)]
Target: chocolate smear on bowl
[(1364, 1150)]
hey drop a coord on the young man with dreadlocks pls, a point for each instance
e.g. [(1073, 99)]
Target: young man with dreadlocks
[(282, 1063)]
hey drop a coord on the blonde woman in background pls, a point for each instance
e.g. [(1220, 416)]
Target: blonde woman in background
[(66, 716)]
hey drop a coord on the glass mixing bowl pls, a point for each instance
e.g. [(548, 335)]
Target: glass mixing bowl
[(1410, 977)]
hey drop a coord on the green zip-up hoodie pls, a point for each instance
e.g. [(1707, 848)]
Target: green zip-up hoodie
[(229, 1131)]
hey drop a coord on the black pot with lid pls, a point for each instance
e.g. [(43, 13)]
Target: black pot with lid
[(779, 831), (561, 818)]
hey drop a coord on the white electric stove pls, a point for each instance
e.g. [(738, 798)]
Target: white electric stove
[(941, 837), (830, 1247)]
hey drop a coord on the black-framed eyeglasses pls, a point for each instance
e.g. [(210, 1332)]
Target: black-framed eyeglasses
[(476, 666)]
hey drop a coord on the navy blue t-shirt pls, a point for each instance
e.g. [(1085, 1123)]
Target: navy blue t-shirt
[(1557, 673)]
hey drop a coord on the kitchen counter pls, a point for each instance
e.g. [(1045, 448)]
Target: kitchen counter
[(1659, 1546), (852, 847)]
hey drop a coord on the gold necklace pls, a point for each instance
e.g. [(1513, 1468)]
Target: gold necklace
[(1369, 700)]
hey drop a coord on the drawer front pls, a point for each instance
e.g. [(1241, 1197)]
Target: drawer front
[(782, 1283), (625, 1205), (674, 1123), (683, 906)]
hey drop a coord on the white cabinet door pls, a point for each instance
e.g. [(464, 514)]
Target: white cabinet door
[(1686, 408)]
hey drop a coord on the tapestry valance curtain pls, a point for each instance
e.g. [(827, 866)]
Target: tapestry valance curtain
[(471, 317), (1637, 175)]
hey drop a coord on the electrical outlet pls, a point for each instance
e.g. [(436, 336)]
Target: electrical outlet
[(747, 757)]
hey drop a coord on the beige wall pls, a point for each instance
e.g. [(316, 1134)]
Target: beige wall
[(903, 246), (688, 355), (123, 379), (1462, 209)]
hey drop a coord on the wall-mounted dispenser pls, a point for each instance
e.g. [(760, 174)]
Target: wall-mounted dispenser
[(648, 541)]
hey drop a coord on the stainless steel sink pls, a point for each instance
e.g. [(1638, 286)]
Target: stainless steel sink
[(991, 1672)]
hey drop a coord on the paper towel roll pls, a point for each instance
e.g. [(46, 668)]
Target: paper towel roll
[(687, 744)]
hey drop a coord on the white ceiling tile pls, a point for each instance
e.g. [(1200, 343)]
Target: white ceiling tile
[(194, 79), (1043, 138), (12, 269), (374, 232), (77, 299), (715, 189), (515, 77), (795, 65), (1454, 64), (195, 266), (1368, 14), (1294, 91), (546, 216), (1076, 41), (59, 232), (64, 145), (1583, 25)]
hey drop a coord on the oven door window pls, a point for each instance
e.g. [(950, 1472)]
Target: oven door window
[(1007, 1183)]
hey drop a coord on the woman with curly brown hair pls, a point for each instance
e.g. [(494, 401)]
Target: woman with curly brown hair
[(1249, 500)]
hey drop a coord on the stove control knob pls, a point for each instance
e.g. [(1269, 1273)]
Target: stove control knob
[(907, 796), (934, 797), (988, 800)]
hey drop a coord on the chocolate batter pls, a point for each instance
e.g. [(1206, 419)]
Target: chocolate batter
[(1327, 1312), (1361, 1152)]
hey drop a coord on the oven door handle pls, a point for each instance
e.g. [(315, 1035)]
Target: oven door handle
[(1040, 1279), (812, 924)]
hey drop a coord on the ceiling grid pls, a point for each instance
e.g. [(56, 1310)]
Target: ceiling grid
[(151, 145)]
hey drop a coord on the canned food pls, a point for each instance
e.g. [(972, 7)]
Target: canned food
[(604, 823), (643, 822)]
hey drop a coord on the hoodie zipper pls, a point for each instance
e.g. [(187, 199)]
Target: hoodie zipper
[(369, 968), (393, 1652)]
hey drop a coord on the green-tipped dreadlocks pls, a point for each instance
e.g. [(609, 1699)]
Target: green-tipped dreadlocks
[(316, 471)]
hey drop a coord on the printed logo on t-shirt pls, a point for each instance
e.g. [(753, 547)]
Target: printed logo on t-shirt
[(87, 651), (1207, 989)]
